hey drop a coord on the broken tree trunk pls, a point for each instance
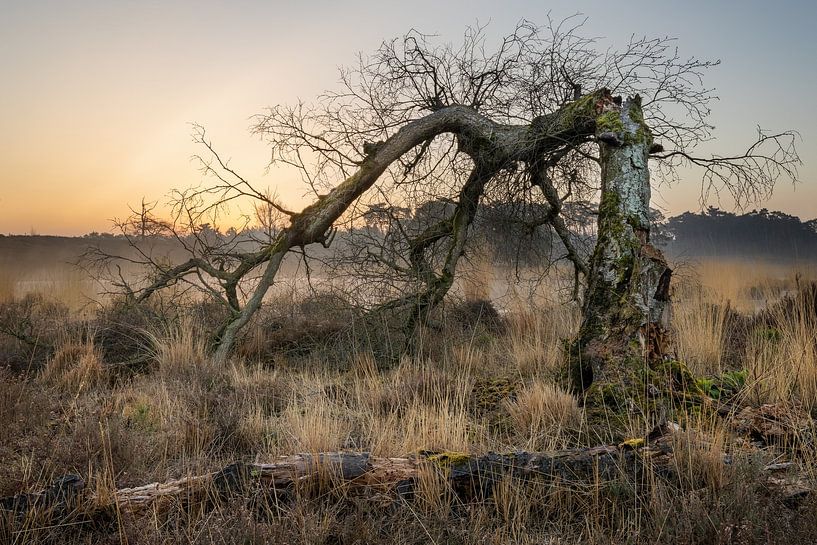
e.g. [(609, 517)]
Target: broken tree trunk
[(626, 301), (465, 478)]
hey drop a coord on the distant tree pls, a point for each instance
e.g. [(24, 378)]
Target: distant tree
[(144, 223), (536, 121)]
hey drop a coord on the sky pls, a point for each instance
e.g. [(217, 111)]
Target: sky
[(97, 97)]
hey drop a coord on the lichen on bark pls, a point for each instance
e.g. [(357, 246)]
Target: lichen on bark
[(623, 331)]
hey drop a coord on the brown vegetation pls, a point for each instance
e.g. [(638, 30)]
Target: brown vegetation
[(473, 388)]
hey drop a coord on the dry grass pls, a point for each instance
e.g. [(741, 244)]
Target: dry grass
[(8, 283), (183, 415), (180, 348), (749, 285), (61, 282), (700, 318), (707, 296), (782, 358), (535, 336), (312, 422), (544, 416), (75, 367)]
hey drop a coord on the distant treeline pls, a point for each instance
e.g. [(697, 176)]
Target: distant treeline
[(513, 232), (759, 233)]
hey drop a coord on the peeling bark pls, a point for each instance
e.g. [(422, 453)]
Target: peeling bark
[(625, 315)]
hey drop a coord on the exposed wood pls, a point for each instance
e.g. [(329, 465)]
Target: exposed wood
[(468, 477), (624, 320)]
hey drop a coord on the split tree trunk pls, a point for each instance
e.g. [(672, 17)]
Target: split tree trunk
[(625, 315)]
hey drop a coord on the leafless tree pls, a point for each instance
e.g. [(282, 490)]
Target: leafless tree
[(530, 118)]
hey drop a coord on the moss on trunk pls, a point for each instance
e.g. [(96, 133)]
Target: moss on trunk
[(623, 337)]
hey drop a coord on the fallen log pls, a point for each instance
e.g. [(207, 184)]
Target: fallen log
[(467, 477)]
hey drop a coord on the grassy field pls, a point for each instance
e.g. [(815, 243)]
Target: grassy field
[(125, 397)]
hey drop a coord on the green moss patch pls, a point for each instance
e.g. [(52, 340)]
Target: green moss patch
[(667, 389), (449, 458)]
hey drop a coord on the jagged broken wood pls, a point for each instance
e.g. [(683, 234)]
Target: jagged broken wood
[(467, 477), (625, 314)]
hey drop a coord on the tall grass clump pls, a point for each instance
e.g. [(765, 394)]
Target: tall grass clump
[(700, 318), (543, 417), (180, 347), (535, 336), (75, 366), (782, 353)]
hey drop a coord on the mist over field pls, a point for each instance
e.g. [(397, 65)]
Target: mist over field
[(59, 266)]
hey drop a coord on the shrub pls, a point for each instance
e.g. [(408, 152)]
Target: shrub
[(32, 327)]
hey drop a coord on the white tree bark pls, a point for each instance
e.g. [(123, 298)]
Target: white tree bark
[(626, 301)]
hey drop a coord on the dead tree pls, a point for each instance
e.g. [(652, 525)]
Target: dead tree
[(418, 121), (466, 478), (625, 314)]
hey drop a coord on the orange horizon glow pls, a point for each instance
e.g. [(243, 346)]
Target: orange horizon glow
[(98, 97)]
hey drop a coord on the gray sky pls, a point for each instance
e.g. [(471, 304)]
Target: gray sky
[(97, 96)]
